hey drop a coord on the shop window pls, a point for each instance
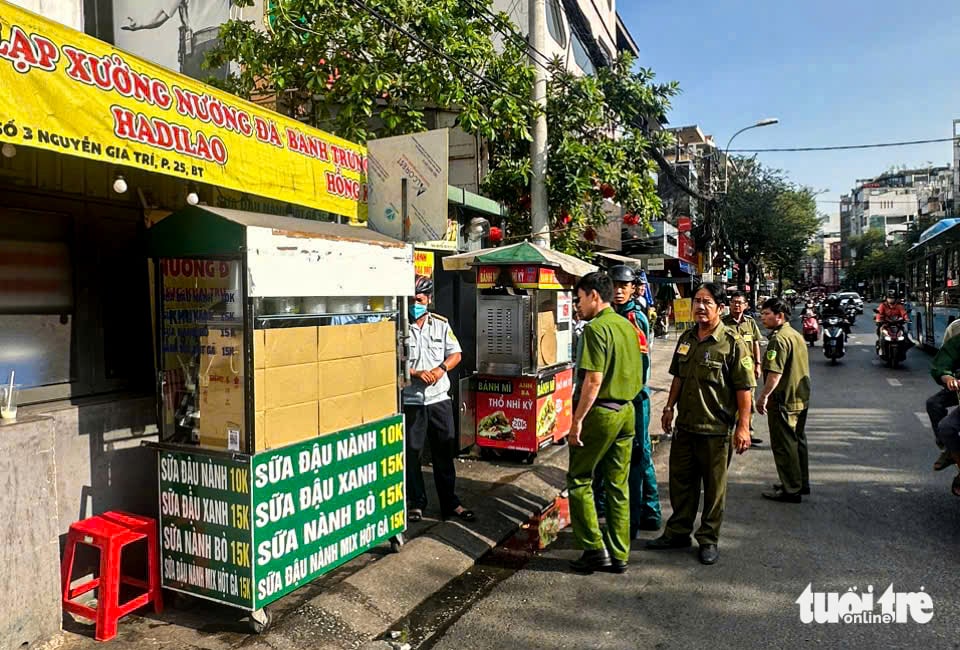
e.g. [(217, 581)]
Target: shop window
[(36, 299)]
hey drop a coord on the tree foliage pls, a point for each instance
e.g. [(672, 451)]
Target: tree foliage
[(874, 261), (766, 221), (337, 66), (598, 149)]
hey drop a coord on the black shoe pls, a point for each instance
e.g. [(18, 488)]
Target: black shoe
[(665, 542), (756, 442), (709, 554), (783, 497), (617, 566), (805, 490), (650, 524), (943, 461), (591, 561)]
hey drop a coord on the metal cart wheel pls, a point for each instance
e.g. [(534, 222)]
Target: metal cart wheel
[(529, 458), (396, 543), (487, 454), (260, 620)]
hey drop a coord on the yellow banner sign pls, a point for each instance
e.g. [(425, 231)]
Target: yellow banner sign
[(67, 92), (423, 263)]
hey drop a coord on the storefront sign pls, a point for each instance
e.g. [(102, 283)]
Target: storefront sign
[(247, 530), (524, 413), (129, 112), (487, 276), (656, 264), (423, 263), (682, 310)]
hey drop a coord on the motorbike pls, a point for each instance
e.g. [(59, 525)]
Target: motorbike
[(811, 327), (850, 310), (834, 338), (892, 343)]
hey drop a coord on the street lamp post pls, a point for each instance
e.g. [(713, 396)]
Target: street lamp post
[(767, 121)]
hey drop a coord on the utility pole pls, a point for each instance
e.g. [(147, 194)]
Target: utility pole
[(539, 205)]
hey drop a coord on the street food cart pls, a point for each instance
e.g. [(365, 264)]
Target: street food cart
[(525, 357), (281, 453)]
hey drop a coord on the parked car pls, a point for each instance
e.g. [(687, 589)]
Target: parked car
[(851, 296)]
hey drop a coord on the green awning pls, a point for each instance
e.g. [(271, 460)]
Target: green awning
[(518, 254)]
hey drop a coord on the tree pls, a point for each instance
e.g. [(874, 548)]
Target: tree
[(599, 148), (766, 221), (875, 261), (340, 67)]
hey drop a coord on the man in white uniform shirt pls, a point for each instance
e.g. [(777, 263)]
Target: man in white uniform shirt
[(433, 352)]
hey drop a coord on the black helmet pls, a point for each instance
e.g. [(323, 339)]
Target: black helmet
[(891, 294), (833, 301), (424, 285), (621, 273)]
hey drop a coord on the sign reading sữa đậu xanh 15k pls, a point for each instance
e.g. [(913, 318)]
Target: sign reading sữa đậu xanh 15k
[(247, 532), (206, 540), (321, 502)]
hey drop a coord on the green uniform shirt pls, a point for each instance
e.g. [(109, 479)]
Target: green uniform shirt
[(787, 355), (610, 346), (747, 328), (947, 360), (712, 371)]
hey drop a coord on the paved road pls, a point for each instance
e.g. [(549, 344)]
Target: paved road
[(878, 515)]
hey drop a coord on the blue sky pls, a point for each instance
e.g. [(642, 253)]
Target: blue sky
[(833, 72)]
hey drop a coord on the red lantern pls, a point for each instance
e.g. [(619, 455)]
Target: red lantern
[(496, 235), (631, 219), (590, 234), (607, 191)]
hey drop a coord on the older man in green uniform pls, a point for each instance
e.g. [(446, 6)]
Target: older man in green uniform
[(713, 379), (785, 399), (747, 328), (602, 433)]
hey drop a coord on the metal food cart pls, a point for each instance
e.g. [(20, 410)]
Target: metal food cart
[(281, 453), (524, 382)]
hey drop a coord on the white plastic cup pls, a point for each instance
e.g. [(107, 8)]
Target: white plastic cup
[(8, 402)]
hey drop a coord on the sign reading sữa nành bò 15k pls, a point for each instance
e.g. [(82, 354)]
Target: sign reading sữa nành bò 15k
[(321, 502), (206, 541)]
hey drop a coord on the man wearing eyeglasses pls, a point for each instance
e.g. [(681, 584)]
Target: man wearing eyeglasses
[(747, 327), (713, 382)]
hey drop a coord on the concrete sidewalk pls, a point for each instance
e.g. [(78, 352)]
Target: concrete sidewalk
[(358, 603)]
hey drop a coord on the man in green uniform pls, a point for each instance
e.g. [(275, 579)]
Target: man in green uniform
[(601, 436), (785, 399), (713, 379), (747, 328)]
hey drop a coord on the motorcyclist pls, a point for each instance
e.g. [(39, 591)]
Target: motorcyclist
[(832, 307), (890, 309)]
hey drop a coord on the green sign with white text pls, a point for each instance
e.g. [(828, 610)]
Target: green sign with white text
[(247, 530)]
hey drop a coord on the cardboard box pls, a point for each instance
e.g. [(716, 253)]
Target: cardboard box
[(342, 412), (221, 416), (289, 346), (290, 424), (379, 403), (338, 342), (259, 431), (340, 377), (289, 385), (546, 338), (378, 337), (379, 370), (258, 390), (259, 349)]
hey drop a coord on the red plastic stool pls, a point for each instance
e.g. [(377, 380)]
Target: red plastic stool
[(110, 532)]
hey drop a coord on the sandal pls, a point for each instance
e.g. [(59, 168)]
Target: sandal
[(467, 515), (955, 488), (414, 514)]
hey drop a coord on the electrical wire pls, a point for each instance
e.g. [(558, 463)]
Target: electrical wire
[(490, 18), (847, 146)]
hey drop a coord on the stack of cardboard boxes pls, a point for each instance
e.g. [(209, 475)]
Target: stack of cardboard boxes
[(311, 381)]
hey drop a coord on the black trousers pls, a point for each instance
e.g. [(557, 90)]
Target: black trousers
[(937, 407), (434, 424)]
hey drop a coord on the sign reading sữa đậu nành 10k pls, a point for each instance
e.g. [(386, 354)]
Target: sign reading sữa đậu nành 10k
[(206, 540), (319, 503), (304, 510)]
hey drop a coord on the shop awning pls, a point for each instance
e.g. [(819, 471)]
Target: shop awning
[(623, 259), (519, 254), (144, 116)]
